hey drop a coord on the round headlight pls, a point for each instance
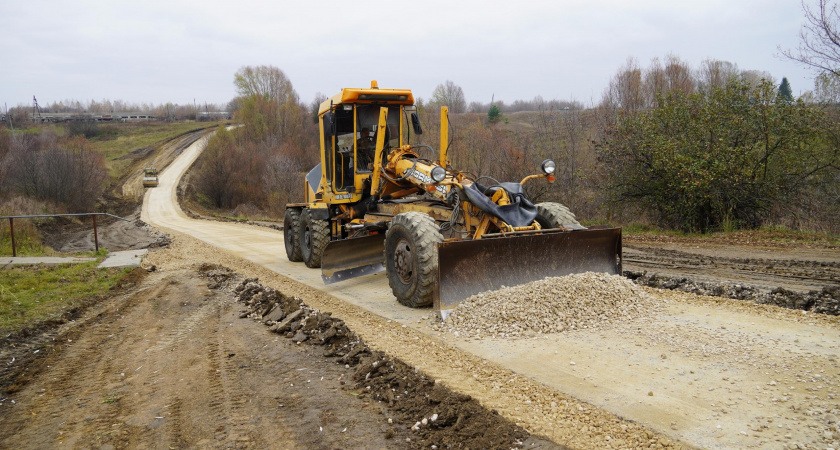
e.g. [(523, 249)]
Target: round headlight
[(548, 166), (438, 174)]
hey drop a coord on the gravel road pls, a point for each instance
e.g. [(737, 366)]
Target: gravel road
[(702, 371)]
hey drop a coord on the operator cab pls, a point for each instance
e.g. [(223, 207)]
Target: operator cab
[(349, 125)]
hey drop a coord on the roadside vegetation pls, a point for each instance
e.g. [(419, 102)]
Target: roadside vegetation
[(669, 147), (35, 294)]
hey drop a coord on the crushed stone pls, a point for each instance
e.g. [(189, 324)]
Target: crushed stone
[(551, 305)]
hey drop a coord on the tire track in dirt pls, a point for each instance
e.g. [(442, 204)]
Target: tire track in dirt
[(77, 382), (184, 328), (795, 274)]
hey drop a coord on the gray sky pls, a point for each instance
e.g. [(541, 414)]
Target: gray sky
[(175, 51)]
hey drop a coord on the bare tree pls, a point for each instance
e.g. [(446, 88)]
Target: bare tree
[(754, 77), (315, 106), (716, 73), (827, 88), (626, 90), (264, 81), (451, 95), (678, 74), (819, 45)]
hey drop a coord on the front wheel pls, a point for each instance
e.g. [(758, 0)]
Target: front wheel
[(411, 258), (554, 215), (291, 231), (314, 235)]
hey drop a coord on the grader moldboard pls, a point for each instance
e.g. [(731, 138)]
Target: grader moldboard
[(373, 204)]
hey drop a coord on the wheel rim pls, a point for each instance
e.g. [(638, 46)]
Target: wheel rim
[(403, 262), (306, 238)]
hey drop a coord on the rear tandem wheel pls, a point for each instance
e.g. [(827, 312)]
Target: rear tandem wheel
[(291, 231), (314, 235)]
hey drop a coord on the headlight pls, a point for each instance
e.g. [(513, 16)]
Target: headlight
[(548, 166), (438, 174)]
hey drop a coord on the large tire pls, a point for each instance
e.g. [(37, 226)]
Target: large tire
[(411, 258), (291, 232), (553, 215), (314, 236)]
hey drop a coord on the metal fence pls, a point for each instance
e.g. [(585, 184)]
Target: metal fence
[(95, 233)]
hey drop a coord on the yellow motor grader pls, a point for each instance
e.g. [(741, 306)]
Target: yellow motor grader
[(373, 204)]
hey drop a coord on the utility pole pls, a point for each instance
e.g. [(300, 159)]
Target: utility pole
[(36, 109), (8, 117)]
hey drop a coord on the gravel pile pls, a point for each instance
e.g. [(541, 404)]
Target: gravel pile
[(552, 305)]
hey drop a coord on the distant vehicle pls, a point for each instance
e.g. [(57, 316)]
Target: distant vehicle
[(150, 177)]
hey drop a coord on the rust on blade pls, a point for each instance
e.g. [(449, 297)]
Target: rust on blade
[(351, 258), (466, 268)]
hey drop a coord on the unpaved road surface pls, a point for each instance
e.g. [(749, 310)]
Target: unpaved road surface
[(797, 269), (698, 371), (711, 373), (170, 364)]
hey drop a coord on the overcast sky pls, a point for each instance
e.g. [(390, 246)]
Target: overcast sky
[(175, 51)]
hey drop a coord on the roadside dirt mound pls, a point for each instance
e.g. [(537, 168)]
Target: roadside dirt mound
[(424, 414), (551, 305), (113, 234), (824, 301)]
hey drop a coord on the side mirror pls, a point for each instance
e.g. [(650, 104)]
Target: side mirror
[(415, 123), (329, 124)]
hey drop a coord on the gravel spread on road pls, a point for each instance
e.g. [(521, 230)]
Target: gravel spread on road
[(551, 305)]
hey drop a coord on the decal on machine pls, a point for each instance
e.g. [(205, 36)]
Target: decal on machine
[(419, 176)]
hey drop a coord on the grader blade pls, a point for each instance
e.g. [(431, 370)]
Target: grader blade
[(466, 268), (351, 258)]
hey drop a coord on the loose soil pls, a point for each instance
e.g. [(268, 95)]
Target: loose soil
[(171, 363)]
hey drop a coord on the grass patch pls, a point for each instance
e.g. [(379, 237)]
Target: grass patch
[(119, 139), (33, 294)]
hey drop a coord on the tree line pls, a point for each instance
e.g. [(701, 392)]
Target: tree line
[(62, 171), (692, 148)]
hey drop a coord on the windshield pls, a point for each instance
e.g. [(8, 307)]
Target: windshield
[(367, 119)]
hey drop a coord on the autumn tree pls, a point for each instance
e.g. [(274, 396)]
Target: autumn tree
[(65, 171), (715, 73), (257, 167), (264, 81), (702, 159), (451, 95)]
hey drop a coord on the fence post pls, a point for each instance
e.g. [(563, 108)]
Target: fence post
[(12, 229), (95, 236)]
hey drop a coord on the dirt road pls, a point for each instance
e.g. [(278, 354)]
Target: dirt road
[(697, 371), (171, 365), (710, 373)]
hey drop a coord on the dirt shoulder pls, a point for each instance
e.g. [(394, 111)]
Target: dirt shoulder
[(176, 362)]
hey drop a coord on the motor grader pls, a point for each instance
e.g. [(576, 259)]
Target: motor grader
[(374, 203)]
